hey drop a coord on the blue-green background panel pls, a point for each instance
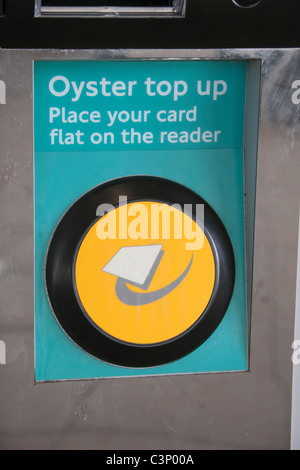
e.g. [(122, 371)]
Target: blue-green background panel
[(224, 112), (63, 177), (215, 170)]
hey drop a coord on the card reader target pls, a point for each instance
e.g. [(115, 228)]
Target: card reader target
[(140, 265)]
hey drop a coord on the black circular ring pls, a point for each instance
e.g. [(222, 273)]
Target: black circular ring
[(63, 247)]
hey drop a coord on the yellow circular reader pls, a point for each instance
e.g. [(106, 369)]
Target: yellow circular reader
[(104, 260)]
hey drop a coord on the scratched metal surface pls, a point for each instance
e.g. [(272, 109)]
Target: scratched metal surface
[(217, 411)]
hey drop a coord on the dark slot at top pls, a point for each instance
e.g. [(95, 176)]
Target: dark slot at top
[(118, 8), (108, 3)]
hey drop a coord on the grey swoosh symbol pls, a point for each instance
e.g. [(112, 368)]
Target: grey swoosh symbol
[(128, 297)]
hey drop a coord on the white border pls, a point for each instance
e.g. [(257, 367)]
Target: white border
[(295, 421)]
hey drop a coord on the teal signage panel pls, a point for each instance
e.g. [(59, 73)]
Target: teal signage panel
[(157, 106), (110, 135)]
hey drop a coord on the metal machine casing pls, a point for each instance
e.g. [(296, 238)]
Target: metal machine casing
[(241, 410)]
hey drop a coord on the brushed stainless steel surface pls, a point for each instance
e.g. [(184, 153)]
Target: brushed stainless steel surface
[(211, 411)]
